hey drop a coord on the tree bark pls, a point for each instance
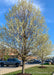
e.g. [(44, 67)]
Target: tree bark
[(42, 63), (23, 67)]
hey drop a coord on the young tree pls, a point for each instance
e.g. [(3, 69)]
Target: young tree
[(44, 47), (23, 23)]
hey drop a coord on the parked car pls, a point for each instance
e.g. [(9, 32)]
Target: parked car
[(52, 62), (34, 61), (48, 61), (30, 61), (0, 59), (10, 61)]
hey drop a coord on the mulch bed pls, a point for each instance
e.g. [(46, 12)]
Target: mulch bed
[(23, 74), (42, 67)]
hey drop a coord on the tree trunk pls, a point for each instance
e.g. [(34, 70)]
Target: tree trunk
[(42, 63), (23, 67)]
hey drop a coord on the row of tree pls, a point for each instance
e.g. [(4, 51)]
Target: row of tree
[(26, 31)]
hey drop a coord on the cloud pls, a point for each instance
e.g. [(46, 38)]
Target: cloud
[(39, 5), (11, 1), (36, 3), (6, 4)]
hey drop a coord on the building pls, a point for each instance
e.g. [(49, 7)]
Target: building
[(11, 52)]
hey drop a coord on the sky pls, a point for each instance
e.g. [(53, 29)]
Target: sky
[(46, 8)]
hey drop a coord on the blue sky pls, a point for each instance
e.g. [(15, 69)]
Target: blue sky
[(46, 7)]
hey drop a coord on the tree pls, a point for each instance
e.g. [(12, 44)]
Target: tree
[(23, 24), (44, 47)]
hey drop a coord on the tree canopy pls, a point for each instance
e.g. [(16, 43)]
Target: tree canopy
[(24, 23)]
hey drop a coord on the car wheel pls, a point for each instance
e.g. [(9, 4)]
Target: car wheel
[(7, 65), (17, 64), (2, 64)]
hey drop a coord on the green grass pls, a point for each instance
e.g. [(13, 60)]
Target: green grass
[(37, 71)]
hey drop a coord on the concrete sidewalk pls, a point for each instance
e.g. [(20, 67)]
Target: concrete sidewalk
[(4, 70)]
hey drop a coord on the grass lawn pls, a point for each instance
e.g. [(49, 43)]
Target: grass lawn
[(37, 71)]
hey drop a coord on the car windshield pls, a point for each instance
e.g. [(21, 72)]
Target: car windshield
[(9, 59), (15, 59)]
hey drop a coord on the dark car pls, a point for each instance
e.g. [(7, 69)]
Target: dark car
[(11, 61), (0, 59), (52, 62), (30, 62), (48, 61), (34, 61)]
